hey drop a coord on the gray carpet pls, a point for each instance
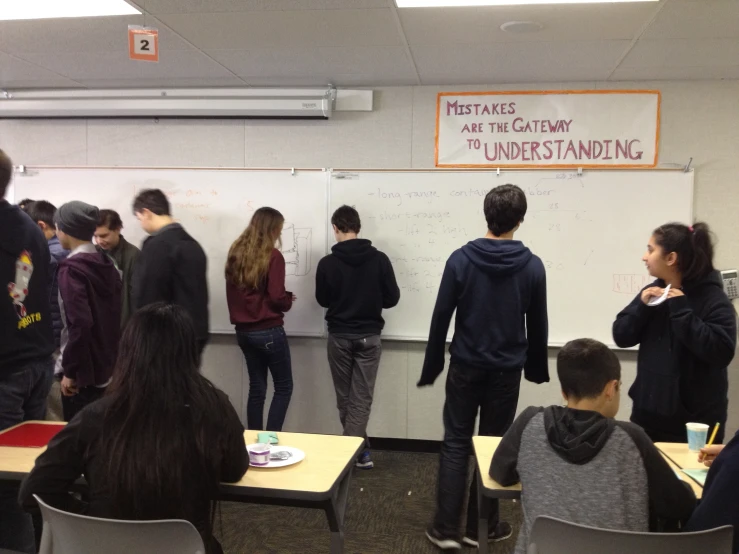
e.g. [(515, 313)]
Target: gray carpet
[(389, 509)]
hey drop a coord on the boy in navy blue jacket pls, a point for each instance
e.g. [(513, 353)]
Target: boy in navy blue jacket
[(498, 288)]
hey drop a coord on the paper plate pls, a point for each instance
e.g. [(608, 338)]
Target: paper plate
[(296, 455)]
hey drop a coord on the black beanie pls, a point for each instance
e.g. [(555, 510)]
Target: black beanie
[(77, 219)]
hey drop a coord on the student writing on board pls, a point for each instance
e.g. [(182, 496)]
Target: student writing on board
[(498, 288), (257, 302), (172, 266), (355, 282), (686, 342)]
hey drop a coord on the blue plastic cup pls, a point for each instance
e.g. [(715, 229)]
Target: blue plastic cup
[(697, 436)]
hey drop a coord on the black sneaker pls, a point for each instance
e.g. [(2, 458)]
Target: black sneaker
[(502, 532), (444, 543)]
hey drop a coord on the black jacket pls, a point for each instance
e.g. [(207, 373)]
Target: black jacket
[(685, 346), (498, 288), (75, 451), (26, 332), (355, 282), (720, 502), (172, 268)]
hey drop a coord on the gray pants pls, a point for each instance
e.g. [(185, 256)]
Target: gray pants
[(354, 363)]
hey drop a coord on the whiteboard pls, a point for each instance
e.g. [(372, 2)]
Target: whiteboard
[(214, 206), (590, 231)]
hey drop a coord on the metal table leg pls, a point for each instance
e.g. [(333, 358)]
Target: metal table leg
[(483, 511), (336, 512)]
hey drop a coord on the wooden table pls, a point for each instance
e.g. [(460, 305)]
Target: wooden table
[(320, 481), (487, 488)]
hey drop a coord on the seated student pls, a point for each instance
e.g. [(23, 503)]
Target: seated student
[(159, 442), (720, 503), (579, 464)]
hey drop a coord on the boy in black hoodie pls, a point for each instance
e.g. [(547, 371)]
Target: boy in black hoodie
[(578, 464), (498, 288), (355, 282), (26, 343)]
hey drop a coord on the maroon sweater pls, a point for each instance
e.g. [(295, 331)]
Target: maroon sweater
[(264, 307)]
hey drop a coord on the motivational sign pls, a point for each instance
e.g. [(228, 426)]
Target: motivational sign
[(584, 128)]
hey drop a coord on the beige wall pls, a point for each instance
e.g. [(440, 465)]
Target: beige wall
[(699, 120)]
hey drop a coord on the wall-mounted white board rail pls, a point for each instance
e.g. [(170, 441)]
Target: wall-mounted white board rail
[(214, 205), (590, 229)]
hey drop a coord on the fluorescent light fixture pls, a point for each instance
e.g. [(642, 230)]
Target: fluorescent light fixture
[(50, 9), (467, 3)]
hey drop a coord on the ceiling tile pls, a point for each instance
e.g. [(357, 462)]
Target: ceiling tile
[(696, 19), (164, 82), (14, 70), (679, 52), (678, 73), (78, 35), (338, 80), (219, 6), (116, 65), (294, 29), (517, 62), (561, 23), (385, 62)]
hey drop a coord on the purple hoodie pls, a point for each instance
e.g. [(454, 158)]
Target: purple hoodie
[(90, 287)]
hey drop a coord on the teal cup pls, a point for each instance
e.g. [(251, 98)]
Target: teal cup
[(697, 436)]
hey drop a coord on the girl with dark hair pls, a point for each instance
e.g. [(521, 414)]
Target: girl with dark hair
[(686, 342), (257, 302), (160, 441)]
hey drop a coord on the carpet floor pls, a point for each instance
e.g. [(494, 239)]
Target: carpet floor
[(389, 509)]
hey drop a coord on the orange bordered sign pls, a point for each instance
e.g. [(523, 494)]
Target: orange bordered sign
[(143, 43)]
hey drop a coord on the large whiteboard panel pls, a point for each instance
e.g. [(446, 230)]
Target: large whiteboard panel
[(590, 230), (214, 206)]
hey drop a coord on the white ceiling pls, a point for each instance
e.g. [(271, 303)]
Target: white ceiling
[(373, 43)]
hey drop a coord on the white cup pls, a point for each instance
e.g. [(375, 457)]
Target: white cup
[(259, 454)]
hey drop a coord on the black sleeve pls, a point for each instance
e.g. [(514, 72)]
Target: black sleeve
[(711, 339), (152, 275), (235, 459), (323, 288), (629, 324), (504, 466), (536, 368), (669, 497), (57, 468), (446, 303), (390, 289)]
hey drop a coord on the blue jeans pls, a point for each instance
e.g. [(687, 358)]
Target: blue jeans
[(23, 393), (267, 350)]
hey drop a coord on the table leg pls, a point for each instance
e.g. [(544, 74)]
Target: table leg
[(335, 512), (483, 511)]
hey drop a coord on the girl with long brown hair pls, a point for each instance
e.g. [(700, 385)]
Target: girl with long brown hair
[(257, 302)]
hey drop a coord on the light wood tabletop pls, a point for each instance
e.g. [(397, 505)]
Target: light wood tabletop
[(327, 457), (678, 452), (485, 448)]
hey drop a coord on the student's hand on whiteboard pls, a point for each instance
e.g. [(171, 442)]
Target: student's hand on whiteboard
[(708, 454), (651, 292), (69, 386), (674, 293)]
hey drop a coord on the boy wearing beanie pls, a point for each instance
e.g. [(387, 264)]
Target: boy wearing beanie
[(90, 302)]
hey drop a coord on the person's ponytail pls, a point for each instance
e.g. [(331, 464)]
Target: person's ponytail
[(693, 246)]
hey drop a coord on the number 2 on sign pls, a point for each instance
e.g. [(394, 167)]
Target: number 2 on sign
[(143, 44)]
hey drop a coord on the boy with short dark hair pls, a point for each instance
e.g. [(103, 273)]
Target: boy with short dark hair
[(172, 266), (498, 289), (110, 240), (355, 282), (579, 464), (42, 212), (90, 302)]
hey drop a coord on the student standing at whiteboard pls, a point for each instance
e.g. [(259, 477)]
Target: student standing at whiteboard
[(355, 282), (686, 342), (172, 266), (498, 288), (257, 302)]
